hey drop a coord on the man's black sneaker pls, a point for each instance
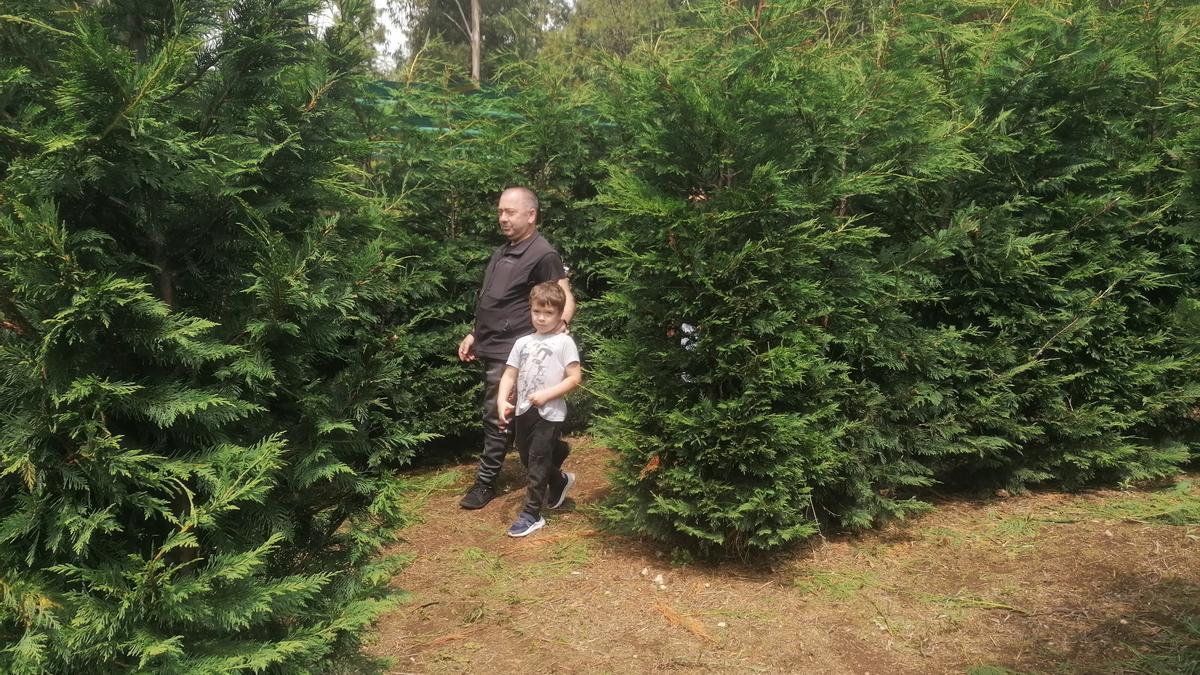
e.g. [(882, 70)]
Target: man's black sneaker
[(555, 500), (478, 496)]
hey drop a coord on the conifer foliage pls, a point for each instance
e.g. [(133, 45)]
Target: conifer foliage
[(1082, 233), (858, 252), (444, 156), (198, 406), (744, 276)]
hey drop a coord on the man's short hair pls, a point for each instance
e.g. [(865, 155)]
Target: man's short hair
[(548, 293), (530, 196)]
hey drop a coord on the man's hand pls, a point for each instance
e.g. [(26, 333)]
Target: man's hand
[(466, 348), (563, 327), (503, 408), (539, 398)]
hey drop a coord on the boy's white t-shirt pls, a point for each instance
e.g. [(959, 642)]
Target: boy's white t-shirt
[(541, 360)]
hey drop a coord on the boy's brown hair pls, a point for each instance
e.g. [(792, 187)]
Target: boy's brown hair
[(548, 293)]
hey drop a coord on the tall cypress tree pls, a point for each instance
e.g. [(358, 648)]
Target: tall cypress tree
[(1081, 253), (199, 404), (861, 250), (748, 282)]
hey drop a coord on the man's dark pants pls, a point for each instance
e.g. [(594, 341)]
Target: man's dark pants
[(495, 440)]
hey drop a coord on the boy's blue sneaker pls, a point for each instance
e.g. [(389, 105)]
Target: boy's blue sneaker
[(556, 500), (526, 524)]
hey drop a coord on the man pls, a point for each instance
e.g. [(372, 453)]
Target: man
[(502, 316)]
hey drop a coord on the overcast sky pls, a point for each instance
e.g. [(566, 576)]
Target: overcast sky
[(394, 28), (395, 32)]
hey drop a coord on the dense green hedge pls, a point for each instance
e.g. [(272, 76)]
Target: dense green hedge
[(918, 241), (444, 156), (208, 374)]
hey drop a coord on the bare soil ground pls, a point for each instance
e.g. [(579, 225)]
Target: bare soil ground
[(1100, 582)]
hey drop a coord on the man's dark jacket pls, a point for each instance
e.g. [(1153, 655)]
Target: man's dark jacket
[(502, 310)]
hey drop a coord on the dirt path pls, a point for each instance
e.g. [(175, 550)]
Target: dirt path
[(1095, 583)]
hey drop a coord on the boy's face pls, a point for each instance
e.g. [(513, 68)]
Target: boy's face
[(545, 317)]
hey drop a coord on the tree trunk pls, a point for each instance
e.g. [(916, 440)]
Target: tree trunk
[(476, 42)]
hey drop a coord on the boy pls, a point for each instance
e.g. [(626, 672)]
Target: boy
[(545, 367)]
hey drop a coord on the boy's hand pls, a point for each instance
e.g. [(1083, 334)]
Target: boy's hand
[(539, 398), (503, 409)]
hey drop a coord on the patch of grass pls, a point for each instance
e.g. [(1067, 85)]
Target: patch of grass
[(967, 601), (837, 584), (1177, 505), (573, 552), (449, 656), (948, 536), (559, 557), (477, 614), (992, 670), (1178, 653), (514, 598), (478, 562), (1011, 531), (1014, 534), (415, 491), (424, 486), (1016, 527), (740, 614)]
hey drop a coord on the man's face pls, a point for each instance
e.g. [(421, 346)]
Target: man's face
[(516, 215)]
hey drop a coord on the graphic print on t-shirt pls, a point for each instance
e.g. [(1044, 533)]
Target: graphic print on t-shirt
[(533, 371)]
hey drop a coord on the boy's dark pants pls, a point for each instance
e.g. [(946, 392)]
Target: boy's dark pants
[(543, 453), (495, 440)]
